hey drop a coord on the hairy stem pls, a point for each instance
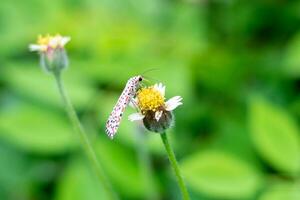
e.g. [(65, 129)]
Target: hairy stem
[(86, 144), (174, 164)]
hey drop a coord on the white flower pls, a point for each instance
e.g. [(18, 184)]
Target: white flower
[(58, 41), (37, 47), (161, 88), (173, 103), (152, 100), (135, 117), (49, 42), (53, 57)]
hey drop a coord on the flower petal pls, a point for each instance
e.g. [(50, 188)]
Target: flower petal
[(173, 103), (64, 41), (36, 47), (135, 117), (54, 42), (161, 88), (158, 115)]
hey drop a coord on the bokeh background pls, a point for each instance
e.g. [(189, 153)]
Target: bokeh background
[(235, 63)]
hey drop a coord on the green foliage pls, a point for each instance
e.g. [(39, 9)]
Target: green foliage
[(292, 61), (114, 162), (13, 174), (29, 82), (231, 144), (220, 175), (36, 129), (275, 136), (283, 190), (78, 183)]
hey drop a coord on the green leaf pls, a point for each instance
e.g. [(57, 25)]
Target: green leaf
[(78, 182), (291, 60), (275, 135), (121, 165), (219, 175), (282, 191), (30, 80), (36, 129), (14, 173)]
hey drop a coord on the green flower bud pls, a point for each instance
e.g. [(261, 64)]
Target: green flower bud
[(160, 126), (54, 60), (53, 57)]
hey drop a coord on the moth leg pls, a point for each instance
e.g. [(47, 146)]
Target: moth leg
[(133, 104)]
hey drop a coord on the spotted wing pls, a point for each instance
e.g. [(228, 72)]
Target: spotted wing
[(115, 117)]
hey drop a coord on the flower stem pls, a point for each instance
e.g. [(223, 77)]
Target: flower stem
[(84, 138), (173, 161)]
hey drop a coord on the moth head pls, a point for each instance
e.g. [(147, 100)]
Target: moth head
[(140, 78)]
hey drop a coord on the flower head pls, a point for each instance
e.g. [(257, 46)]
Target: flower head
[(49, 42), (52, 53), (150, 99), (153, 110)]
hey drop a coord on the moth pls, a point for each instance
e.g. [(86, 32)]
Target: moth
[(126, 96)]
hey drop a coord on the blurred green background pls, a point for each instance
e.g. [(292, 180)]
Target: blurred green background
[(235, 63)]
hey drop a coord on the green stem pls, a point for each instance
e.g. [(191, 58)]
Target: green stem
[(173, 161), (84, 138)]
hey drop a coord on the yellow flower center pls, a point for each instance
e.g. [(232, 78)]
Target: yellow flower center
[(44, 40), (149, 99), (48, 40)]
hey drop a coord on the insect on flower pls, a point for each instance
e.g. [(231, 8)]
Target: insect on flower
[(125, 98), (153, 110)]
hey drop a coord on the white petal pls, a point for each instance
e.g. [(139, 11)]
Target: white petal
[(64, 41), (135, 117), (36, 47), (173, 103), (158, 115), (54, 42), (161, 88)]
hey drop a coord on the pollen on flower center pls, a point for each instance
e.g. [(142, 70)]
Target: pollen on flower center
[(44, 40), (149, 99)]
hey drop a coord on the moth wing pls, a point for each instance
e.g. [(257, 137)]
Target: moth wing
[(115, 117)]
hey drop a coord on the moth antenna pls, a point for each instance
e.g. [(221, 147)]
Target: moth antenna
[(149, 70), (153, 79), (145, 79)]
